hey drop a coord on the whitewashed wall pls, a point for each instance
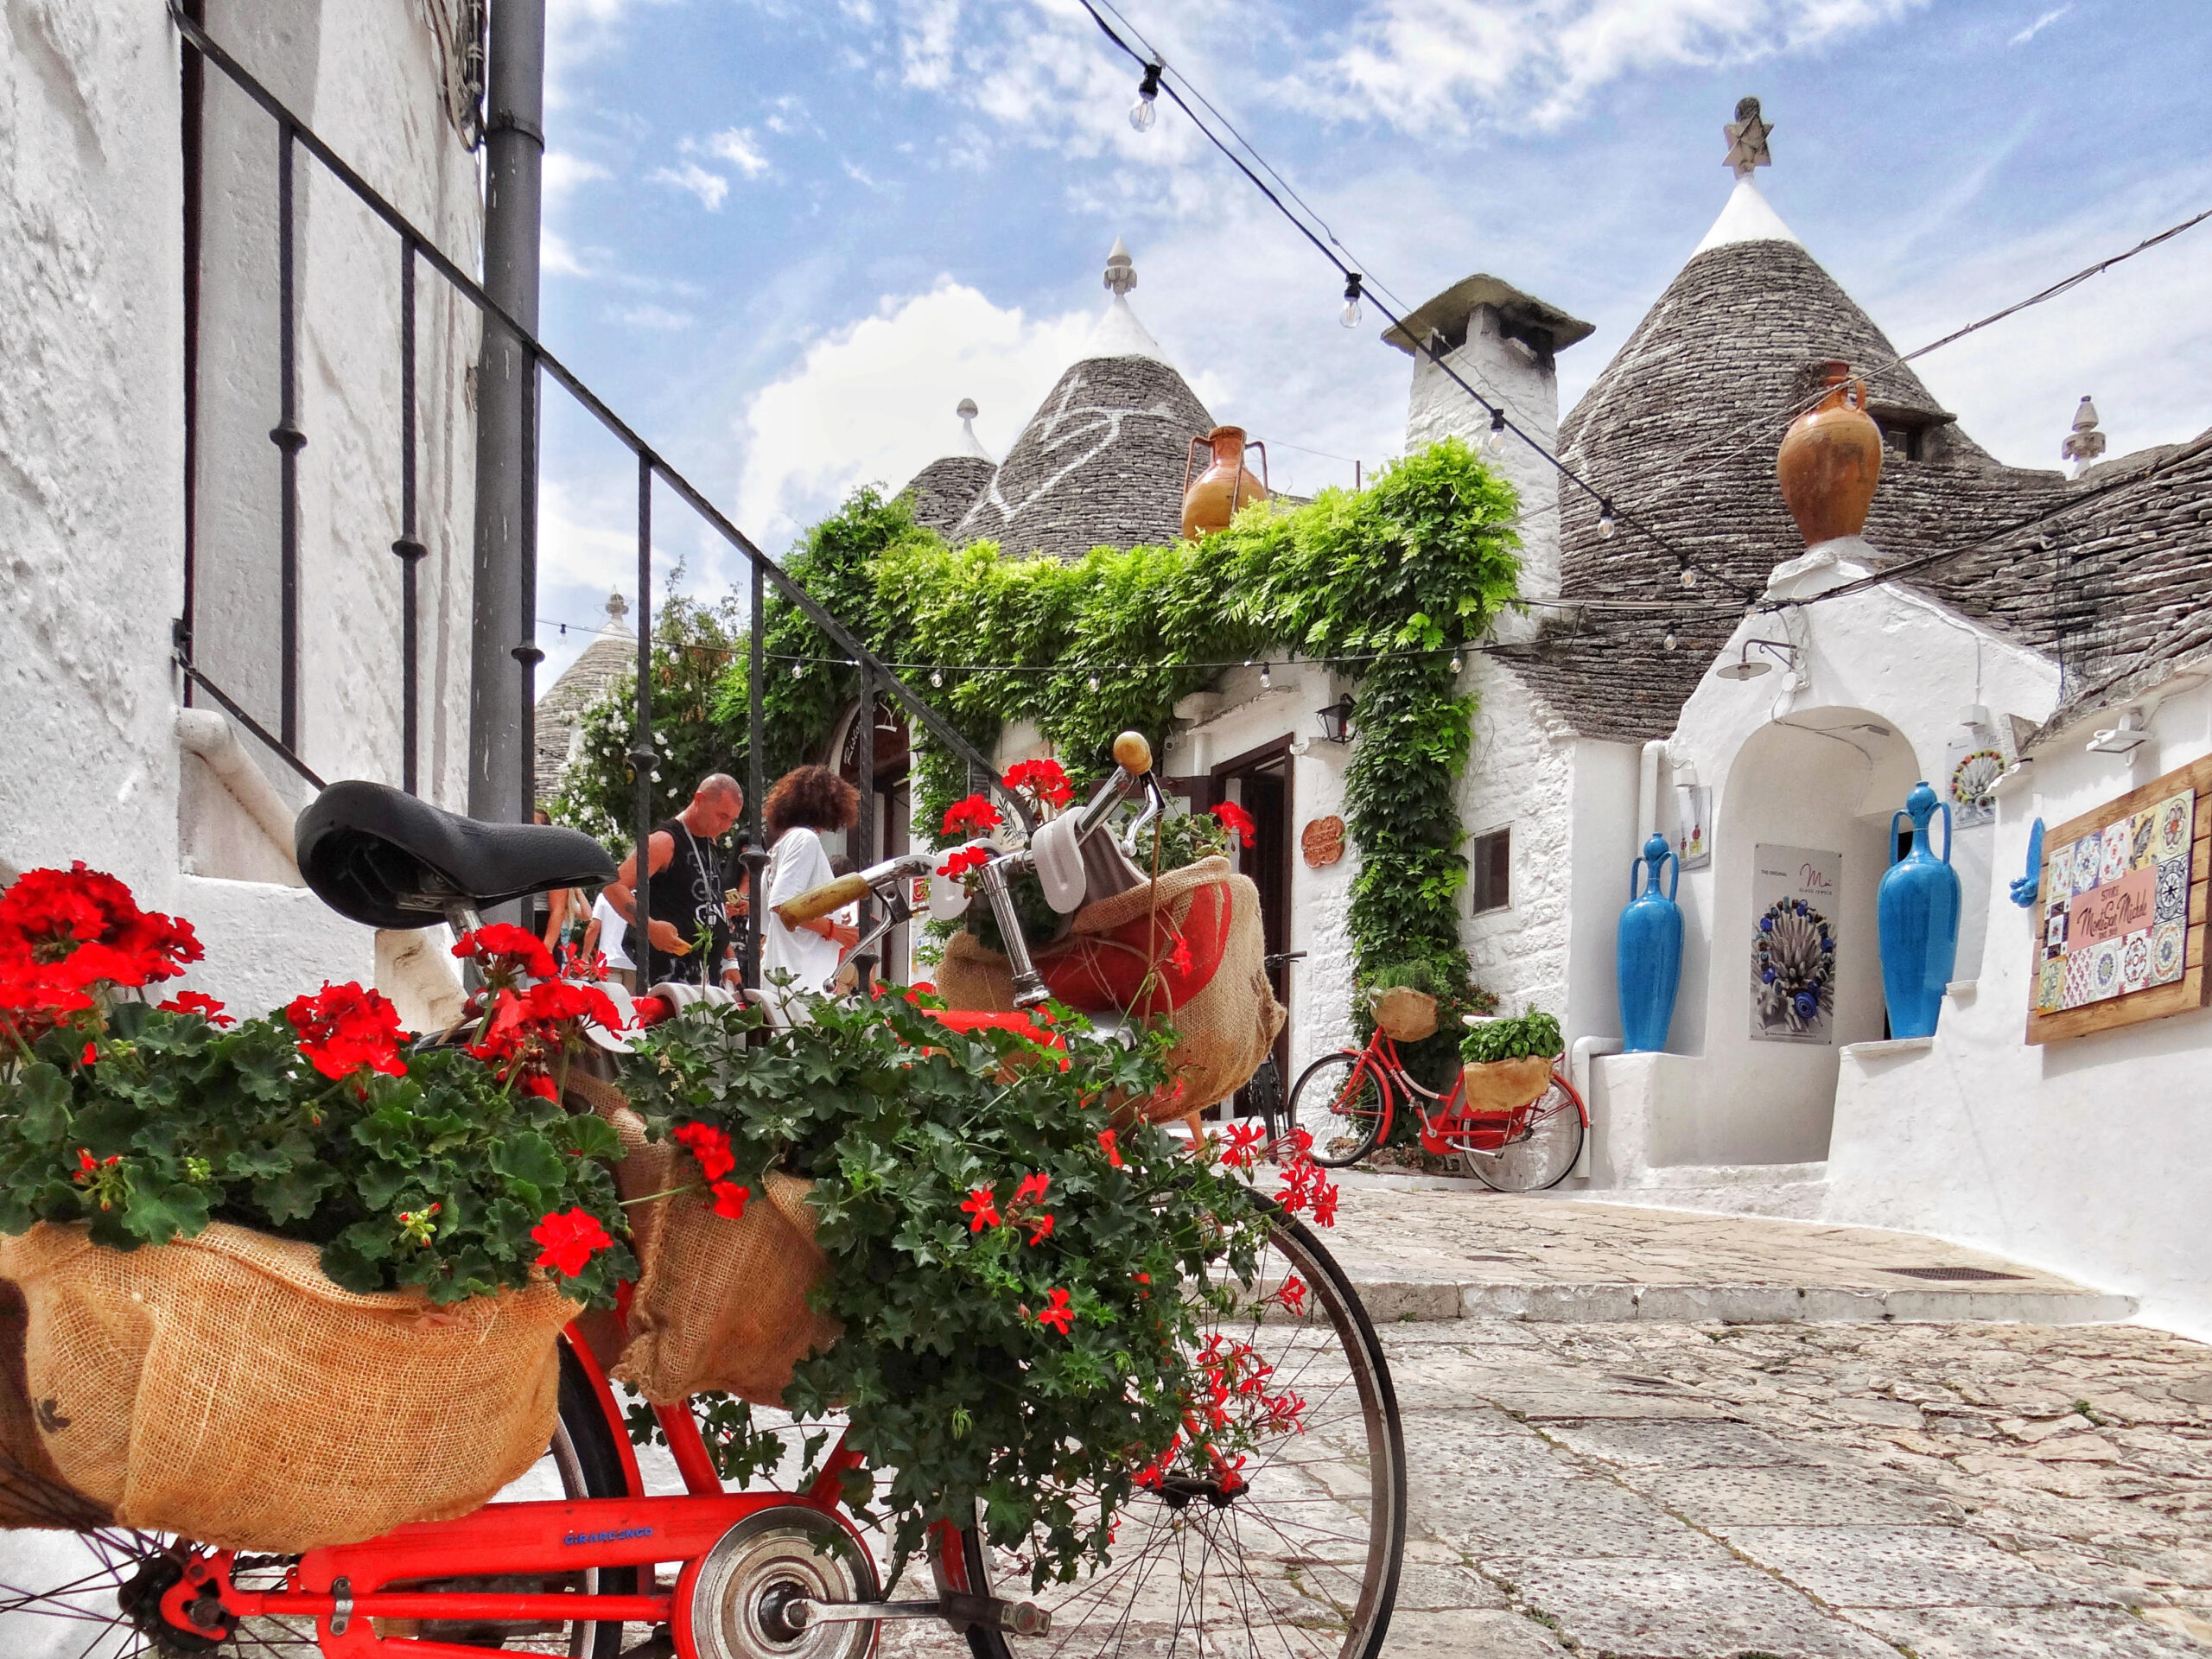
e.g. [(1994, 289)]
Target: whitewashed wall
[(1800, 765), (2084, 1157), (92, 444)]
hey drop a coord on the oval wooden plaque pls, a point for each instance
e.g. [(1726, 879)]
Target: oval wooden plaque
[(1322, 841)]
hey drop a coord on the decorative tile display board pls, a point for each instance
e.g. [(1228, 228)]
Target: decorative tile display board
[(2120, 914)]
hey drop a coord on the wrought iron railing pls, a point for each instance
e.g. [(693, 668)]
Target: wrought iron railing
[(294, 137)]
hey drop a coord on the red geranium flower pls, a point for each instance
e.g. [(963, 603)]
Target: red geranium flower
[(570, 1241), (1108, 1143), (1292, 1294), (710, 1146), (1040, 1228), (505, 952), (72, 928), (199, 1003), (974, 816), (1059, 1315), (957, 864), (344, 1027), (1239, 822), (730, 1199), (1243, 1150), (1032, 1186), (983, 1207), (1045, 781)]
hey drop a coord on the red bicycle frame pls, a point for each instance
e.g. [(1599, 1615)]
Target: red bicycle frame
[(1487, 1131), (343, 1586)]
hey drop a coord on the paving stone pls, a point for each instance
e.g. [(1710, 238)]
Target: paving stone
[(1898, 1566), (1577, 1517), (2025, 1633), (1716, 1443), (1664, 1609), (1725, 1498), (1437, 1586), (1471, 1635)]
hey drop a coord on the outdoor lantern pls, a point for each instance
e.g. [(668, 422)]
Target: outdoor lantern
[(1336, 719)]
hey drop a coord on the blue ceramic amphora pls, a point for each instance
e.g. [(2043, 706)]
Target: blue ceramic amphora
[(1918, 907), (1649, 950)]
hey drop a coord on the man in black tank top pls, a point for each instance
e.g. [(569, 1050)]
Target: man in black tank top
[(685, 903)]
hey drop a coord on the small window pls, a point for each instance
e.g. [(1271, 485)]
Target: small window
[(1903, 441), (1493, 871)]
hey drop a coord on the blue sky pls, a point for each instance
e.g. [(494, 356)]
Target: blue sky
[(785, 237)]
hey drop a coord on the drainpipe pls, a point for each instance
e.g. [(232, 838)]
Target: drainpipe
[(1647, 793), (503, 653)]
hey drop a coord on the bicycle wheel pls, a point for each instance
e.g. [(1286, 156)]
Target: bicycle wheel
[(1340, 1103), (1541, 1154), (95, 1594), (1300, 1563), (1262, 1097)]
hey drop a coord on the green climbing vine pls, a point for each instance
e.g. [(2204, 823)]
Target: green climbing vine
[(1423, 557)]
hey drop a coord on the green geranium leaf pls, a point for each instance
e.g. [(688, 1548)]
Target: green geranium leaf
[(529, 1157), (158, 1214), (43, 1100), (293, 1195), (589, 1137)]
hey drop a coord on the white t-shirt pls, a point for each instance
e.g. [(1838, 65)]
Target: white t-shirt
[(796, 864), (613, 930)]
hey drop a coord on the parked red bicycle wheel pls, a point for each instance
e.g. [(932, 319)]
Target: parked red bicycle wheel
[(1339, 1101), (1530, 1150)]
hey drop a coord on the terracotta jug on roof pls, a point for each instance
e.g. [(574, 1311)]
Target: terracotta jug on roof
[(1210, 499), (1831, 459)]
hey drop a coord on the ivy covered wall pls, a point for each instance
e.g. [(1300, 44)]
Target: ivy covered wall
[(1379, 583)]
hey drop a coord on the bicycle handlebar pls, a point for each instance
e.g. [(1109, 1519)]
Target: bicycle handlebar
[(817, 902)]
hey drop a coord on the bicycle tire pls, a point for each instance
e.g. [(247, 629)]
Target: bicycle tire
[(1545, 1155), (93, 1569), (1345, 1127), (1382, 1451)]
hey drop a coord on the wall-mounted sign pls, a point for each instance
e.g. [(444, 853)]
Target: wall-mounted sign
[(1322, 841), (1794, 893), (2119, 918), (1694, 825), (1971, 767)]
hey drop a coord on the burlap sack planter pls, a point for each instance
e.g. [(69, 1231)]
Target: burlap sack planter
[(719, 1304), (1404, 1014), (32, 1491), (222, 1387), (1119, 956), (1505, 1086)]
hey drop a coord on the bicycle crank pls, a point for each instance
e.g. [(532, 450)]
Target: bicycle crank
[(735, 1602)]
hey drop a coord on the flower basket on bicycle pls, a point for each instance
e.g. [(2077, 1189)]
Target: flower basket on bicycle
[(1404, 1014)]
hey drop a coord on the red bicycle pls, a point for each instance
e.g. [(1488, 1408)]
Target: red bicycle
[(1348, 1102), (599, 1552)]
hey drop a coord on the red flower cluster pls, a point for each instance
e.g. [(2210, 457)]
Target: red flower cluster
[(983, 1205), (1239, 822), (1306, 1188), (1236, 1391), (344, 1027), (107, 1181), (1244, 1146), (1109, 1143), (974, 816), (569, 1240), (1059, 1316), (1025, 1209), (197, 1002), (63, 932), (507, 954), (1043, 781), (527, 1032), (1292, 1296), (710, 1146), (958, 865)]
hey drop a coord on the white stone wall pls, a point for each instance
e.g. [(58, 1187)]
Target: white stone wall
[(2085, 1157), (92, 442), (1521, 776)]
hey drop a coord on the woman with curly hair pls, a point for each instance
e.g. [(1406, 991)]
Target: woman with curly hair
[(805, 802)]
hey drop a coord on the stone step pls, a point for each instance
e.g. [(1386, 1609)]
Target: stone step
[(1389, 1300)]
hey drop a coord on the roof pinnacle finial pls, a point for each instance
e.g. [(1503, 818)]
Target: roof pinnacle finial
[(1747, 137), (2084, 444), (1120, 269), (970, 443)]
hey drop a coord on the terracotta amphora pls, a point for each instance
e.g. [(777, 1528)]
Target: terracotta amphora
[(1211, 500), (1831, 459)]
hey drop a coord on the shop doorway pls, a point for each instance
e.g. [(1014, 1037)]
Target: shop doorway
[(1260, 781)]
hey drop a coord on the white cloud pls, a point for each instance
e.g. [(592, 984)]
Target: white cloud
[(564, 171), (926, 43), (658, 317), (873, 402), (709, 187), (556, 257), (2039, 25), (736, 146)]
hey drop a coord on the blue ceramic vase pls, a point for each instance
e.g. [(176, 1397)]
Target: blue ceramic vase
[(1918, 905), (1649, 950)]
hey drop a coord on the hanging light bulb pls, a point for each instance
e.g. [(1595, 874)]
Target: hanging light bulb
[(1494, 440), (1350, 315), (1670, 642), (1605, 525), (1092, 683), (936, 677), (1457, 664), (1689, 576), (798, 670), (1266, 680), (1142, 113)]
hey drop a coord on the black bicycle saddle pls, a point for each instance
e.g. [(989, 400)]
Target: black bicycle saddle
[(376, 854)]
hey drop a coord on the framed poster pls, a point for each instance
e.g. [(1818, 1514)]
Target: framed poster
[(1794, 891), (2120, 913)]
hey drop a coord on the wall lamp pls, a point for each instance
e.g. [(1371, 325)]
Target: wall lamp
[(1745, 669), (1336, 719)]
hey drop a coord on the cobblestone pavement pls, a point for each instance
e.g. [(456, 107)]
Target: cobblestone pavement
[(1672, 1491)]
